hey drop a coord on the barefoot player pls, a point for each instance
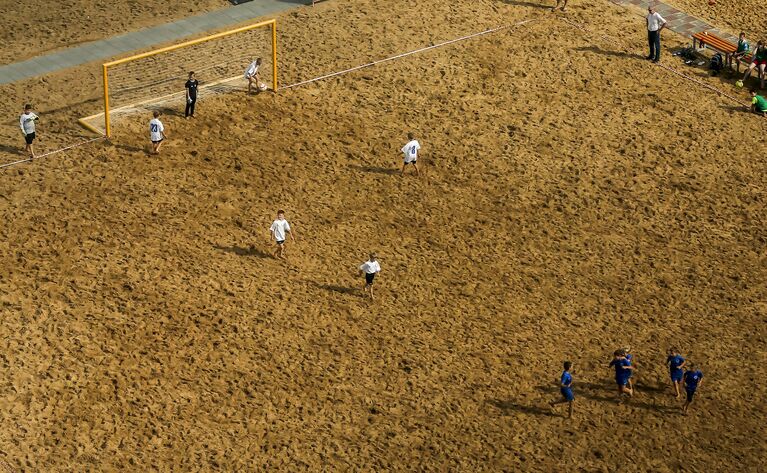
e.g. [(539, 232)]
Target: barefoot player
[(623, 370), (156, 132), (278, 231), (692, 380), (27, 123), (411, 153), (557, 7), (565, 387), (675, 364), (370, 268), (252, 75)]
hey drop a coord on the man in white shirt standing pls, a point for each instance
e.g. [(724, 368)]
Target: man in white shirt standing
[(411, 153), (370, 268), (156, 132), (655, 24), (278, 231), (27, 123), (252, 75)]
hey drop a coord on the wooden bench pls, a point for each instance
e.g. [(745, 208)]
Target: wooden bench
[(704, 38)]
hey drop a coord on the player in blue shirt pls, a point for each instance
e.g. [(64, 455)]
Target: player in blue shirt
[(675, 364), (630, 358), (692, 380), (565, 387), (623, 371)]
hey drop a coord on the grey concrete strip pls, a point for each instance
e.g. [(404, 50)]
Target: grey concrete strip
[(106, 49)]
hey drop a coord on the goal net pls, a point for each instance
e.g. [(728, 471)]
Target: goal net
[(155, 79)]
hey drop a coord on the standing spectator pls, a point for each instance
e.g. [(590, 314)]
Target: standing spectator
[(758, 61), (411, 153), (675, 364), (191, 95), (692, 380), (758, 104), (156, 132), (27, 123), (370, 268), (253, 76), (655, 24), (278, 231), (566, 388)]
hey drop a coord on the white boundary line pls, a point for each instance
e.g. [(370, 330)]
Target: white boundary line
[(398, 56), (49, 153)]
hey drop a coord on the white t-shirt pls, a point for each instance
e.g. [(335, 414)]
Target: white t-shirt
[(156, 129), (279, 227), (411, 151), (370, 267), (252, 70), (27, 122), (655, 21)]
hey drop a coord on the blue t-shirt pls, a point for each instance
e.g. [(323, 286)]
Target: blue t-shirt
[(567, 379), (674, 362), (692, 378), (621, 372)]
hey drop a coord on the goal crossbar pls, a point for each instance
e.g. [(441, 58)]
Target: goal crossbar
[(272, 24)]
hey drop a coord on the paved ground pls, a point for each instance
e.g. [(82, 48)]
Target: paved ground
[(679, 22), (125, 43)]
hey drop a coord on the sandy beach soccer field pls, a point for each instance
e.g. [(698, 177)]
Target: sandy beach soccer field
[(574, 199)]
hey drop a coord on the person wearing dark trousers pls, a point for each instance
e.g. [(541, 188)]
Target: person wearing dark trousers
[(191, 95), (655, 24)]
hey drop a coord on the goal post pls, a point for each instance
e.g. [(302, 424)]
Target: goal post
[(151, 78)]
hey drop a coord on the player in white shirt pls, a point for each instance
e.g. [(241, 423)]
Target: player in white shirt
[(411, 153), (27, 123), (156, 132), (279, 230), (370, 268), (252, 74)]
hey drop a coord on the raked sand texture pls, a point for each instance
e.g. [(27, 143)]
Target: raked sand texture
[(572, 201)]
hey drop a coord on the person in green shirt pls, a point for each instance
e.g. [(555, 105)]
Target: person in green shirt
[(743, 49), (758, 61), (758, 104)]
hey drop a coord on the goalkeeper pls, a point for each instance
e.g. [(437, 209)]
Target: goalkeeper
[(252, 75)]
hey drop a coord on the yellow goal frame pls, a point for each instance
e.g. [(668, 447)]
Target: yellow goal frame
[(105, 67)]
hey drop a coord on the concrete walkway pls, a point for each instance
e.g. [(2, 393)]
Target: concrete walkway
[(678, 21), (125, 43)]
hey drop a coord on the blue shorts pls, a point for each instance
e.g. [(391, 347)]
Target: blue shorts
[(622, 381), (567, 393), (677, 377), (690, 394)]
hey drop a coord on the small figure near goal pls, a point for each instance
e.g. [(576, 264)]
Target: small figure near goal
[(254, 77)]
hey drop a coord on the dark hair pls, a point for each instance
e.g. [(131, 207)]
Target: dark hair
[(28, 106), (280, 212), (618, 353), (258, 60), (568, 365), (742, 33), (191, 73), (753, 91), (410, 136), (156, 113)]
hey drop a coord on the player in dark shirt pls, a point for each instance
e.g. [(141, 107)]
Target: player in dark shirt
[(693, 378), (191, 95)]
